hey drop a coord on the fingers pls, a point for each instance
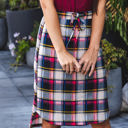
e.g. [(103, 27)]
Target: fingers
[(64, 67), (71, 68), (67, 68), (77, 66), (92, 70), (81, 61), (87, 68), (84, 68)]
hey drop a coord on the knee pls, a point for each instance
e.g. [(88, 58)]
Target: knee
[(46, 124)]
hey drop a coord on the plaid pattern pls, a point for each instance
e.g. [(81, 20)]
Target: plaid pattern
[(68, 99)]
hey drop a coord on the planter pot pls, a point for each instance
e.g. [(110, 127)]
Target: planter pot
[(114, 81), (30, 57), (3, 33), (22, 21)]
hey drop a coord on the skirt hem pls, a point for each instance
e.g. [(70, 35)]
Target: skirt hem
[(75, 124)]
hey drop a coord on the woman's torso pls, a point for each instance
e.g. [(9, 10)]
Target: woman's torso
[(73, 5)]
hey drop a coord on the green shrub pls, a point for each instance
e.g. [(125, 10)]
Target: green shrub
[(116, 10), (23, 4), (23, 45), (113, 57), (2, 14), (2, 8)]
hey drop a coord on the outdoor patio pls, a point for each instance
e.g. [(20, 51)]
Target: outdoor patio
[(19, 25), (16, 95)]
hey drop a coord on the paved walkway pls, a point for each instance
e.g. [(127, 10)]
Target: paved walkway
[(16, 96)]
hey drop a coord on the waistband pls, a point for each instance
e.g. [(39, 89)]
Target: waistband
[(76, 21), (88, 14)]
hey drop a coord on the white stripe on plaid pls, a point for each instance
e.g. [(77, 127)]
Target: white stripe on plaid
[(79, 96)]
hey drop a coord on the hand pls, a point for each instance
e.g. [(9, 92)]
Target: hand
[(88, 60), (68, 62)]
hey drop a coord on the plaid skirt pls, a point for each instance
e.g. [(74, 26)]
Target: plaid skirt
[(68, 99)]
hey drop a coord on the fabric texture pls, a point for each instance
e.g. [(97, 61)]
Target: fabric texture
[(68, 99), (73, 5)]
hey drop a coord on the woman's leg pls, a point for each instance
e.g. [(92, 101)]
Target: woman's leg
[(45, 124), (105, 124)]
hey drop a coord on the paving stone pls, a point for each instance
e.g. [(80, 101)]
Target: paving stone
[(119, 121), (25, 85), (13, 102), (14, 122), (4, 55), (7, 92), (22, 71), (0, 67), (16, 118), (27, 90), (30, 99), (3, 75), (23, 81), (17, 109), (7, 59), (6, 83)]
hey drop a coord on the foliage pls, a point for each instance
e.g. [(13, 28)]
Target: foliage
[(34, 33), (2, 8), (23, 4), (113, 57), (115, 18), (2, 14), (23, 45)]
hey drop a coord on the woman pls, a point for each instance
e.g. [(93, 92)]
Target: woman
[(70, 85)]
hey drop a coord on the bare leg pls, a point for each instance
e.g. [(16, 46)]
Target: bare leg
[(45, 124), (105, 124)]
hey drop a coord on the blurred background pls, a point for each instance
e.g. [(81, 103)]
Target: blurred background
[(19, 23)]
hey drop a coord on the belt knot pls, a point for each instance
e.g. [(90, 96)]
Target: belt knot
[(76, 17), (76, 21)]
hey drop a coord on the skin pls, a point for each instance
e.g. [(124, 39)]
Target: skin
[(67, 61), (90, 57)]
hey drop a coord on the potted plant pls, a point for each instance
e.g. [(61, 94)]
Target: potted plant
[(116, 32), (3, 29), (24, 48), (31, 52), (21, 16), (116, 25), (113, 58)]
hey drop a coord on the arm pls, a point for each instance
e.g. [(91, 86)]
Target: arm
[(97, 25), (66, 60), (52, 23), (90, 57)]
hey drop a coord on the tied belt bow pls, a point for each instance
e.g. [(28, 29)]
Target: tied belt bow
[(76, 21)]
